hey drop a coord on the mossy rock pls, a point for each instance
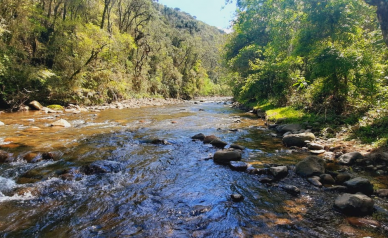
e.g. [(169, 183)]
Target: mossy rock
[(55, 107)]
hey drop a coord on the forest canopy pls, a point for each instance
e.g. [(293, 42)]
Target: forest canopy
[(315, 55), (94, 51)]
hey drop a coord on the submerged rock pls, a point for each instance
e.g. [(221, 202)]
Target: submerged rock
[(291, 189), (237, 197), (225, 156), (354, 204), (298, 139), (238, 165), (5, 157), (52, 155), (350, 158), (102, 166), (62, 123), (310, 166), (359, 184)]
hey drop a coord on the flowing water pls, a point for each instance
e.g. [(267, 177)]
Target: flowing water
[(163, 190)]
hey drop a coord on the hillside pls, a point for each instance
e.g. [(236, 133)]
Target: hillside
[(95, 51)]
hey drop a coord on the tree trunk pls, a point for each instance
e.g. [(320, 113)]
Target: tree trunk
[(382, 16)]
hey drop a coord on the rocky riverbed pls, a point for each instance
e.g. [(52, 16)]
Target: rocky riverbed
[(194, 169)]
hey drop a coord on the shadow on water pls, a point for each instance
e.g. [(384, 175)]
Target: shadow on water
[(162, 190)]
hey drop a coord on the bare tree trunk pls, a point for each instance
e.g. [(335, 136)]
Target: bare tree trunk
[(382, 16)]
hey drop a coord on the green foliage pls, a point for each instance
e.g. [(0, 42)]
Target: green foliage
[(326, 56), (98, 51)]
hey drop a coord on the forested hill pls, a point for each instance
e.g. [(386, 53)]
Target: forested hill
[(93, 51), (321, 55)]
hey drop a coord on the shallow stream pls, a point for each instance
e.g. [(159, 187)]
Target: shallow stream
[(163, 190)]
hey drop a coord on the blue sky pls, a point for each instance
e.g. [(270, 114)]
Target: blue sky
[(212, 12)]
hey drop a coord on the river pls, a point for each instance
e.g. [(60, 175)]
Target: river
[(171, 189)]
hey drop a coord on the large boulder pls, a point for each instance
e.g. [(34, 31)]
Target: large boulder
[(103, 166), (61, 123), (310, 166), (2, 123), (359, 184), (350, 158), (289, 128), (36, 105), (298, 139), (225, 156), (354, 204)]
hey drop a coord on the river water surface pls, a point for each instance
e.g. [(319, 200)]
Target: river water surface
[(162, 190)]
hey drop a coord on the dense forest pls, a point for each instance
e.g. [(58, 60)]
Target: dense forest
[(319, 55), (94, 51)]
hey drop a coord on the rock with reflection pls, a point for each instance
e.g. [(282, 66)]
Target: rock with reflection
[(102, 166), (225, 156), (354, 204)]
